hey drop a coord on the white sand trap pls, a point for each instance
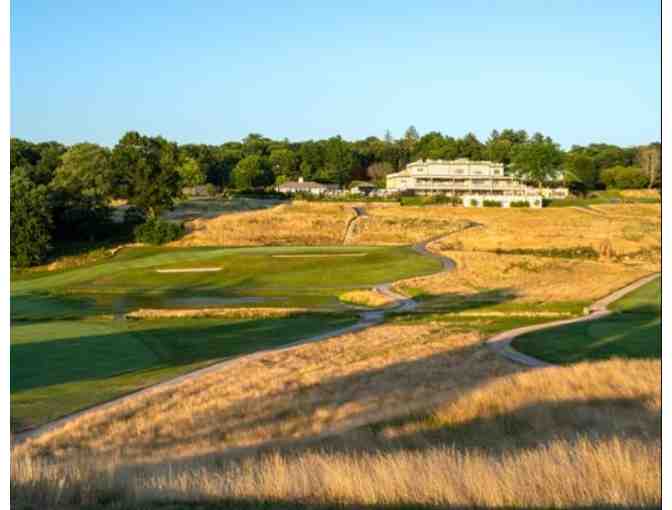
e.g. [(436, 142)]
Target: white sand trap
[(318, 255), (190, 270)]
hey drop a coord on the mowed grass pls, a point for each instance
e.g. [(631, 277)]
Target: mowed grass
[(633, 331), (61, 366), (71, 347), (280, 276)]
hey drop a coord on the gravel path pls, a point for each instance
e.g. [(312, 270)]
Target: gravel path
[(501, 343)]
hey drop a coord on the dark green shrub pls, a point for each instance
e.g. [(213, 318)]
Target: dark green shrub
[(156, 231), (492, 203), (577, 252), (134, 216), (473, 202), (520, 203)]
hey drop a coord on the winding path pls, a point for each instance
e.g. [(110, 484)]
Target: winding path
[(367, 319), (501, 343)]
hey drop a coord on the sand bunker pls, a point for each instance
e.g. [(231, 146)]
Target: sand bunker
[(190, 270)]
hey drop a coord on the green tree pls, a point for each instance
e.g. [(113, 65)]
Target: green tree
[(30, 221), (284, 162), (251, 172), (624, 177), (581, 168), (499, 147), (538, 160), (190, 172), (339, 161), (411, 135), (146, 172), (85, 169)]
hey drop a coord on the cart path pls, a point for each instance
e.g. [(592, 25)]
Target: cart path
[(367, 319), (501, 343)]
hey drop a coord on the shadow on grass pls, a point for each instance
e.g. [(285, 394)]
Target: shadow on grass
[(45, 306), (140, 345)]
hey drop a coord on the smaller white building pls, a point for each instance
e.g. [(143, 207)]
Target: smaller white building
[(302, 186)]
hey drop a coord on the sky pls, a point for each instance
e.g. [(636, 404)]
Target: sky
[(199, 71)]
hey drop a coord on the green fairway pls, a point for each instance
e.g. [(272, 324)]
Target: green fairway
[(61, 366), (310, 277), (634, 331), (71, 347)]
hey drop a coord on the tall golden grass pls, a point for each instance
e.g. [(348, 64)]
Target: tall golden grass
[(295, 223), (395, 414), (528, 278)]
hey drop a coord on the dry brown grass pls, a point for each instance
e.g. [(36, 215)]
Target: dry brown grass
[(369, 298), (308, 391), (480, 431), (640, 193), (234, 313), (528, 278), (295, 223)]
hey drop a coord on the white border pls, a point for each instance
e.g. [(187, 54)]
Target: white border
[(4, 204), (666, 125)]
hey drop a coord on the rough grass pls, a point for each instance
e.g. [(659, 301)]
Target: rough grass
[(392, 415), (229, 313), (295, 223), (368, 298), (526, 279)]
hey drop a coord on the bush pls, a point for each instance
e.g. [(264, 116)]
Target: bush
[(492, 203), (134, 216), (211, 189), (156, 231), (576, 252), (473, 202), (520, 203)]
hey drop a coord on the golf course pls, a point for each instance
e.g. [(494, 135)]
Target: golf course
[(633, 330), (72, 345)]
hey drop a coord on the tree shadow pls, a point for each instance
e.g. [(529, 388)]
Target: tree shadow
[(136, 348)]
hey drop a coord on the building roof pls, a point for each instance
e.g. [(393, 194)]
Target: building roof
[(304, 185)]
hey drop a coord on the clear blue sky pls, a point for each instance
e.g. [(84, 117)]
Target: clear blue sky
[(212, 71)]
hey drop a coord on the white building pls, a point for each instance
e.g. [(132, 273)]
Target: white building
[(463, 177), (302, 186)]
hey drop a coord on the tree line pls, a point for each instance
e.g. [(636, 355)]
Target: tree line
[(63, 193)]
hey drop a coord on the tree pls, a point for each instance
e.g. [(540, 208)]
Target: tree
[(624, 177), (411, 135), (145, 170), (537, 160), (581, 168), (30, 221), (80, 191), (190, 172), (339, 161), (251, 172), (378, 171), (470, 147), (649, 159), (85, 169), (499, 147), (284, 162)]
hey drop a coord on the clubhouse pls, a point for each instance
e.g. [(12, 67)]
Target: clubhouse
[(463, 177)]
